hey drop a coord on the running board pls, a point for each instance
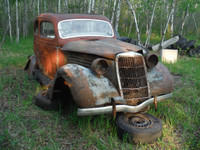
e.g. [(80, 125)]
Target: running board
[(42, 78)]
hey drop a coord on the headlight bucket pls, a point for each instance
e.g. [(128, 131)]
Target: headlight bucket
[(151, 60), (100, 66)]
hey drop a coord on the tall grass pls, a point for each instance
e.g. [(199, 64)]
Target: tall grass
[(25, 126)]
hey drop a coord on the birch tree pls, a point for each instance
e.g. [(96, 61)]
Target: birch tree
[(196, 27), (103, 7), (66, 6), (93, 4), (89, 6), (17, 23), (9, 20), (150, 25), (25, 18), (164, 32), (136, 23), (85, 6), (58, 6), (113, 11), (185, 18), (38, 6), (172, 19), (118, 14)]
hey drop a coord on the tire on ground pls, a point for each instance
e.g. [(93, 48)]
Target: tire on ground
[(194, 52), (43, 102), (189, 45), (181, 42), (138, 128)]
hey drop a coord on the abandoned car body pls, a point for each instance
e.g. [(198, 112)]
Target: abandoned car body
[(79, 56)]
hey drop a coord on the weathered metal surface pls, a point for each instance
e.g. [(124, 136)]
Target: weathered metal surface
[(160, 80), (107, 48), (87, 89), (121, 108)]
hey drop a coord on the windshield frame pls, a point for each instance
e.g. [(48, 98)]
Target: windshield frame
[(76, 36)]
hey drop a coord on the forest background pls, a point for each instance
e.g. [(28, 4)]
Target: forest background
[(137, 19)]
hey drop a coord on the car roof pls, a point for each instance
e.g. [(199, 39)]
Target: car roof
[(59, 17)]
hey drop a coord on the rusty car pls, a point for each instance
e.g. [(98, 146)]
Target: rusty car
[(79, 59)]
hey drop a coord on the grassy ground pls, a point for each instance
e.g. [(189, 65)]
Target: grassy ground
[(25, 126)]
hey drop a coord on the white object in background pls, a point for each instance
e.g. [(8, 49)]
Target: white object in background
[(169, 55), (166, 43)]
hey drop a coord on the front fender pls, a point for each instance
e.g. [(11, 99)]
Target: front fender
[(87, 89), (160, 80)]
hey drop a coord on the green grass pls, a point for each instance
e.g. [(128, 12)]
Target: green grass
[(25, 126)]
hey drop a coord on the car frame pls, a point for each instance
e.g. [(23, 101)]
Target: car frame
[(101, 74)]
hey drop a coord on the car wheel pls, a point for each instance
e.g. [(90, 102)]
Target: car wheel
[(138, 128), (43, 102)]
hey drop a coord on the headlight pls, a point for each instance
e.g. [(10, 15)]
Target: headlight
[(100, 66), (151, 60)]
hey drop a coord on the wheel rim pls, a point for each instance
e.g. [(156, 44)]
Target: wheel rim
[(138, 120)]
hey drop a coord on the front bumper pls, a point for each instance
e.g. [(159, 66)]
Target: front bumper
[(121, 108)]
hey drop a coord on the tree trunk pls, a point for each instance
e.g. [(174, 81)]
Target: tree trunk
[(58, 6), (9, 20), (136, 24), (17, 23), (93, 7), (113, 12), (164, 32), (38, 6), (150, 26), (89, 6), (4, 35), (130, 27), (108, 9), (103, 7), (45, 6), (172, 19), (185, 18), (196, 27), (66, 6), (118, 14), (25, 19), (85, 6), (34, 8)]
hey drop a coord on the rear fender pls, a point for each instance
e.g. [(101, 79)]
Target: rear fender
[(86, 88), (30, 65)]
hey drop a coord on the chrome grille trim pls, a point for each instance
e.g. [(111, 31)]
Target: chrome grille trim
[(138, 87)]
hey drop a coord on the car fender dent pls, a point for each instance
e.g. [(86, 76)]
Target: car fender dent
[(87, 89)]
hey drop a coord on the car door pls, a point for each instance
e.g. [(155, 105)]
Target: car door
[(46, 48)]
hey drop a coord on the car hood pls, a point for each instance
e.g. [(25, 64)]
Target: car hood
[(105, 47)]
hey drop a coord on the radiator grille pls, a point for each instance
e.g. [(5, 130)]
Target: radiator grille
[(80, 59), (132, 77)]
